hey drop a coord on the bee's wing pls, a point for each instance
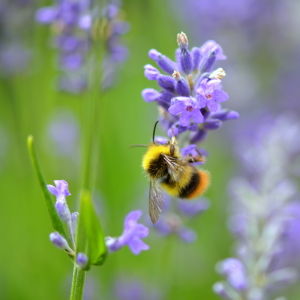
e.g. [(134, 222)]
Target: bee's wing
[(156, 201), (175, 166)]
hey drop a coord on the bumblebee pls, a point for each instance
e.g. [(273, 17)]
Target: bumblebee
[(167, 169)]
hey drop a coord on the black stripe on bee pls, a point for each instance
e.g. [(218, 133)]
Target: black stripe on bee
[(158, 167), (191, 186)]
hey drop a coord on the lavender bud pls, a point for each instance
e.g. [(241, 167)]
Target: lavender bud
[(217, 74), (150, 72), (225, 114), (196, 55), (186, 61), (59, 241), (166, 82), (208, 63), (81, 260), (212, 124), (181, 85), (198, 136), (220, 289), (63, 211), (182, 40), (164, 99), (164, 62), (234, 270), (150, 95), (74, 221)]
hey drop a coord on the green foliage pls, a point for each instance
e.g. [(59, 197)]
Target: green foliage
[(90, 236), (56, 222)]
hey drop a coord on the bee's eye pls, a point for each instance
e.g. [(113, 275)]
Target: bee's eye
[(172, 149)]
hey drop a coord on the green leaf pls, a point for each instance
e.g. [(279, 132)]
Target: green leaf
[(57, 224), (90, 236)]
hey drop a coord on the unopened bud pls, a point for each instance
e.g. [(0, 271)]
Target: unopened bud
[(217, 74), (182, 40)]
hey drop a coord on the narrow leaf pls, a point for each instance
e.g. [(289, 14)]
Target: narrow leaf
[(57, 224), (90, 236)]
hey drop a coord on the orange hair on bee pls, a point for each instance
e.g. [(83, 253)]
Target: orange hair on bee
[(204, 182)]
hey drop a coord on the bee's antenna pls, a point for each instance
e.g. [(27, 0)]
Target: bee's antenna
[(138, 145), (154, 131)]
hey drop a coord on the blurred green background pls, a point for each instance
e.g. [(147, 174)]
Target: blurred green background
[(31, 267)]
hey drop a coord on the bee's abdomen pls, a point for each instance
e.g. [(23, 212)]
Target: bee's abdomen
[(192, 185), (197, 185)]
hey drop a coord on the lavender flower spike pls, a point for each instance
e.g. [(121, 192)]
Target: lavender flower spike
[(131, 236), (193, 93)]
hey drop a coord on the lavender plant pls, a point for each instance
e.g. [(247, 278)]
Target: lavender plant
[(78, 27), (14, 51), (265, 218), (84, 240)]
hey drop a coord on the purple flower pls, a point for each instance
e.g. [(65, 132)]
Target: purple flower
[(131, 236), (194, 151), (171, 224), (194, 207), (60, 191), (234, 271), (210, 94), (188, 108), (212, 46)]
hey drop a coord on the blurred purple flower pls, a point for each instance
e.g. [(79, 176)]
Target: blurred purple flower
[(131, 236), (193, 208), (171, 224), (234, 271), (265, 216)]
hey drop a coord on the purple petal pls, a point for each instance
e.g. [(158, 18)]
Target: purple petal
[(136, 246), (52, 189), (220, 96), (177, 108), (132, 218), (150, 95), (212, 106), (185, 118), (202, 101), (197, 116), (209, 46)]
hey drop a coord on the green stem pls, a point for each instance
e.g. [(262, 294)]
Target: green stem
[(77, 284)]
